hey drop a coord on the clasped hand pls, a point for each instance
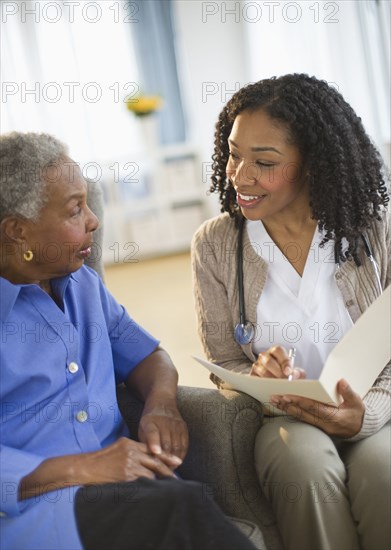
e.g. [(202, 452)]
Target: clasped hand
[(343, 421), (163, 444), (164, 432)]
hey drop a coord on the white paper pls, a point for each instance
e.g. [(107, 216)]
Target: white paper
[(363, 352), (359, 357)]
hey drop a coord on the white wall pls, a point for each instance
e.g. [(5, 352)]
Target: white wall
[(336, 41), (224, 45), (212, 59), (221, 46)]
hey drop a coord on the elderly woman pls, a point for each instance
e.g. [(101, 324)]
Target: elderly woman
[(70, 478)]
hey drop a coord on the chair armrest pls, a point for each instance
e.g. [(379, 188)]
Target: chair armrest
[(222, 426)]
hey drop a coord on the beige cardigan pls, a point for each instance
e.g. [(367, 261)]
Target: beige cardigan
[(217, 304)]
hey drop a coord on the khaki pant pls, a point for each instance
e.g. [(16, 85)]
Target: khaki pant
[(325, 494)]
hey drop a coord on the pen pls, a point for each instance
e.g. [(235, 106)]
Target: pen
[(291, 355)]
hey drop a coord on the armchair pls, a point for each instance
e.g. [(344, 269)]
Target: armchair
[(222, 427)]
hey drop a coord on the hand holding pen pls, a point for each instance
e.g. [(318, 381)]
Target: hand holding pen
[(275, 362)]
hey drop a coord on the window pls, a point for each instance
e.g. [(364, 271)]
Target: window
[(66, 69)]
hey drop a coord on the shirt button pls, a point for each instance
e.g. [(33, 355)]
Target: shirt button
[(3, 515), (349, 303), (73, 367), (81, 416)]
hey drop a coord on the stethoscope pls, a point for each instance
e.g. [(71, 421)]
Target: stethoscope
[(244, 331)]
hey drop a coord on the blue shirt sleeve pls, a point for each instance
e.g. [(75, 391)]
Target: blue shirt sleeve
[(130, 342), (11, 476)]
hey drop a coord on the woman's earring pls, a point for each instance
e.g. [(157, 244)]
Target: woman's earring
[(28, 256)]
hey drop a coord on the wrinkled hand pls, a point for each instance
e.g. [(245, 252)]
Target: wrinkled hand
[(344, 421), (275, 363), (124, 460), (164, 432)]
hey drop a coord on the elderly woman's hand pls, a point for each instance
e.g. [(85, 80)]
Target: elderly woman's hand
[(275, 363), (121, 461), (162, 428)]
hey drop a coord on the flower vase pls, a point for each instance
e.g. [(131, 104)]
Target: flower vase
[(149, 133)]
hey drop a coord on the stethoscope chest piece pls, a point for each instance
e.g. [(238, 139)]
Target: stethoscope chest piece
[(244, 333)]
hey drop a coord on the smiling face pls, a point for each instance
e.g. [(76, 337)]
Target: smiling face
[(266, 169), (61, 239)]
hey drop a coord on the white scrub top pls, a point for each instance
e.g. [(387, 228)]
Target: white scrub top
[(305, 312)]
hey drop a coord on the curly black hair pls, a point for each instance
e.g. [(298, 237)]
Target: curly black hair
[(346, 173)]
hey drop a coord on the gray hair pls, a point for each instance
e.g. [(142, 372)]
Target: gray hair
[(24, 159)]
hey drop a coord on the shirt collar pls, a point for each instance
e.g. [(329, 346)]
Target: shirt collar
[(8, 296), (9, 292)]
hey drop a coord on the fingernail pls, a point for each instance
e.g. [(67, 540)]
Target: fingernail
[(286, 399), (176, 459), (156, 449), (274, 399)]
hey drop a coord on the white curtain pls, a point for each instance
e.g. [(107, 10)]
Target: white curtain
[(66, 69), (345, 42)]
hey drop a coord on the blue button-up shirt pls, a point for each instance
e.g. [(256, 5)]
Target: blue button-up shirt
[(59, 366)]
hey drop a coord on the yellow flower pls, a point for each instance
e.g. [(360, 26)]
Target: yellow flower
[(144, 104)]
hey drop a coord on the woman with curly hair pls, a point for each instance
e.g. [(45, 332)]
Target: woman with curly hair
[(303, 197)]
